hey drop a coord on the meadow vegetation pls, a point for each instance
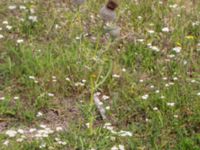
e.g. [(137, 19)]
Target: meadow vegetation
[(56, 58)]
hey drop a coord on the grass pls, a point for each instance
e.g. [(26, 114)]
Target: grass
[(66, 56)]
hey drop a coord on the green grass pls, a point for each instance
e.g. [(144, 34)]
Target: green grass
[(69, 42)]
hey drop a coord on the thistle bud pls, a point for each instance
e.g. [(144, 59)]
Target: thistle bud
[(107, 12)]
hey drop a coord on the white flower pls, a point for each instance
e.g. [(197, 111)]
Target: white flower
[(145, 97), (53, 77), (198, 94), (140, 40), (165, 29), (151, 31), (164, 78), (78, 38), (16, 98), (108, 126), (157, 91), (8, 27), (50, 94), (2, 98), (22, 7), (175, 116), (63, 143), (32, 77), (171, 56), (166, 85), (121, 147), (12, 7), (97, 94), (67, 79), (20, 131), (5, 22), (43, 145), (154, 48), (125, 133), (124, 69), (171, 104), (33, 18), (116, 76), (173, 6), (20, 41), (57, 26), (114, 148), (141, 81), (32, 130), (177, 49), (107, 107), (39, 114), (1, 36), (11, 133), (185, 62), (19, 139), (87, 125), (105, 97), (152, 86), (162, 97), (43, 126), (155, 108), (84, 81), (175, 78), (59, 129), (32, 11), (6, 142), (139, 17)]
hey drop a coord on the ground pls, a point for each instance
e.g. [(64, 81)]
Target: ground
[(56, 58)]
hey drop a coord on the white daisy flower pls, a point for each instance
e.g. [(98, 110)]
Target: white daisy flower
[(33, 18), (12, 7), (11, 133), (6, 142), (1, 36), (116, 76), (8, 27), (39, 114), (165, 29), (151, 31), (171, 104), (50, 94), (5, 22), (145, 97), (177, 49), (155, 108), (105, 97), (2, 98), (19, 41)]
